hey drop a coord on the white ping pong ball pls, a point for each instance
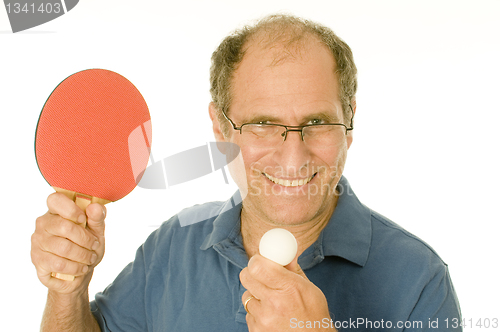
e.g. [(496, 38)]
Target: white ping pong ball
[(278, 245)]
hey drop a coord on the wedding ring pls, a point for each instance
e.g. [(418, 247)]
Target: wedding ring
[(246, 303)]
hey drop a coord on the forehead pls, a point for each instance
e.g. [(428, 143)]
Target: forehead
[(285, 83)]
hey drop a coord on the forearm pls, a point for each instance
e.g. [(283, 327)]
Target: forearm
[(68, 313)]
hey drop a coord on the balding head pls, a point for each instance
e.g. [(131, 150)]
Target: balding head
[(286, 36)]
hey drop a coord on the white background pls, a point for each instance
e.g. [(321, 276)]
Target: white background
[(425, 151)]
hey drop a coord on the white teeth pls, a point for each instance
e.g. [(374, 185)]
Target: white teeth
[(288, 183)]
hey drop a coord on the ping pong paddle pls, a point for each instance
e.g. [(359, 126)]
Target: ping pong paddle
[(93, 138)]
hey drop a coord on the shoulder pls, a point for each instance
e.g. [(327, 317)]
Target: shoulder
[(184, 231), (412, 268), (396, 246)]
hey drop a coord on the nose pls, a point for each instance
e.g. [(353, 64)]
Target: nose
[(293, 154)]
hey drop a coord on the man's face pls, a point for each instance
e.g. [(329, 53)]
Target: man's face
[(292, 183)]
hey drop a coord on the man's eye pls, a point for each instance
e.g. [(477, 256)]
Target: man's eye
[(316, 121)]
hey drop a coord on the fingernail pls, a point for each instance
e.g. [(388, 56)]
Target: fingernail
[(95, 245), (104, 211), (93, 259), (85, 269), (250, 262), (82, 219)]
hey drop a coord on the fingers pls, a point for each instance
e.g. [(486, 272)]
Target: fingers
[(96, 214), (60, 204), (61, 245), (271, 274), (264, 278), (64, 248), (51, 253), (281, 293), (247, 298), (258, 289), (59, 227), (49, 262)]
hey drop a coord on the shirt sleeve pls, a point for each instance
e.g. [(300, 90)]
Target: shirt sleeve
[(438, 308), (121, 306)]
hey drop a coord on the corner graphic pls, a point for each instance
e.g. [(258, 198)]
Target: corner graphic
[(186, 166), (25, 15)]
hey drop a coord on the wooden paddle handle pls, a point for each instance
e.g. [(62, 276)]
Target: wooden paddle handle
[(82, 201)]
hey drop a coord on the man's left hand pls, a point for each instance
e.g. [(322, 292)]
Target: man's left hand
[(283, 297)]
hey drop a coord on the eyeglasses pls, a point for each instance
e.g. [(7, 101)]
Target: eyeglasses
[(265, 135)]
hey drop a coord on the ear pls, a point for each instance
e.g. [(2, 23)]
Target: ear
[(349, 133), (212, 109)]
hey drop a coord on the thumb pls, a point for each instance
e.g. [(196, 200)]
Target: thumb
[(295, 268), (96, 213)]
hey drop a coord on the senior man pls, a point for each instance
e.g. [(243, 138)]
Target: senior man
[(284, 91)]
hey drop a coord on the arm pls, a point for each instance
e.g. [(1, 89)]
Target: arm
[(438, 308), (60, 244), (68, 313)]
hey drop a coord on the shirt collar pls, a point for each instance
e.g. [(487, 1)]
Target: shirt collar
[(347, 234), (227, 222)]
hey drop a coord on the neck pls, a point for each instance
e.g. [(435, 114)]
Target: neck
[(306, 233)]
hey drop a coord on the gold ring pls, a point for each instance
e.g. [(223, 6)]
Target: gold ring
[(246, 303)]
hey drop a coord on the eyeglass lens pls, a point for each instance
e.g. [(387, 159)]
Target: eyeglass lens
[(264, 135)]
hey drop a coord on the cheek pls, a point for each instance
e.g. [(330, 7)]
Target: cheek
[(246, 168), (340, 161), (333, 160), (254, 160), (349, 140), (238, 172)]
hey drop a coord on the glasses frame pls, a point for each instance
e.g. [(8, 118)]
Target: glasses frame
[(299, 129)]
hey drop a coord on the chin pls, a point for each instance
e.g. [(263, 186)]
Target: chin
[(286, 209)]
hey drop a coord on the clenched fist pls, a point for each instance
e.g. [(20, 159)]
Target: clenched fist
[(68, 241), (279, 295)]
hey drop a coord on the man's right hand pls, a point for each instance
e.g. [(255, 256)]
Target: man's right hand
[(61, 244)]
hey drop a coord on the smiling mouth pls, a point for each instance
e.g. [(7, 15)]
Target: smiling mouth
[(290, 183)]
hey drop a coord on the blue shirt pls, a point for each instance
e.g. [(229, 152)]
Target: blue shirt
[(374, 274)]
